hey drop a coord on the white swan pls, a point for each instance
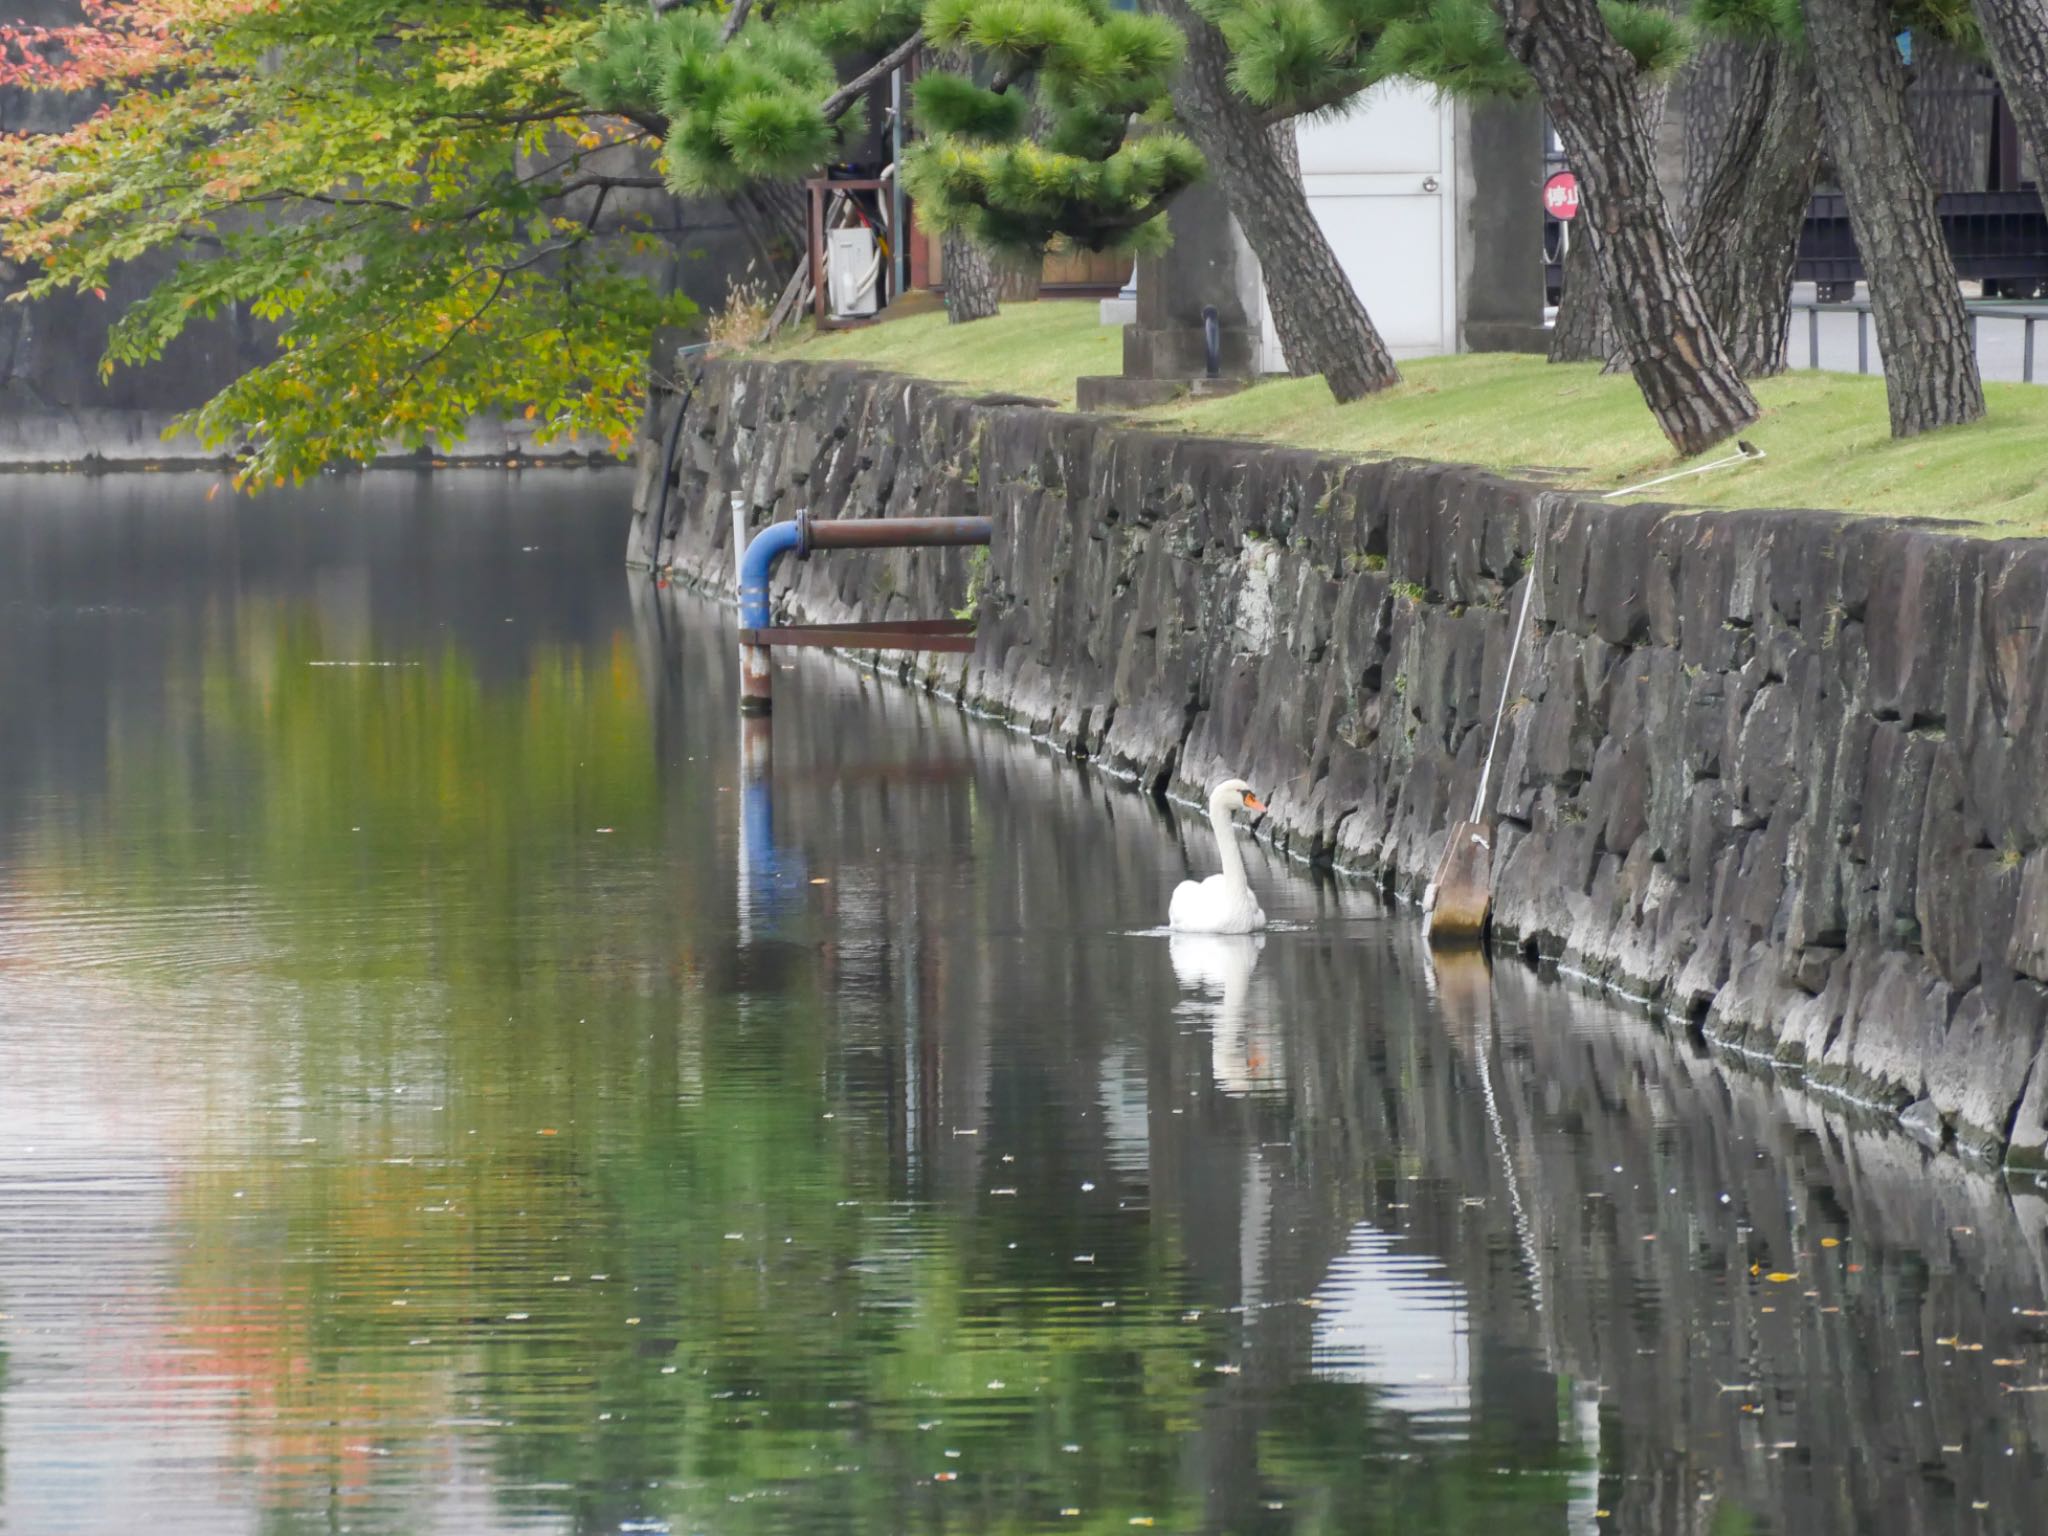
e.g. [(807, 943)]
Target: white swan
[(1222, 903)]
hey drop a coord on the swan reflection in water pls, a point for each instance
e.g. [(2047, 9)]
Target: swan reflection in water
[(1245, 1055)]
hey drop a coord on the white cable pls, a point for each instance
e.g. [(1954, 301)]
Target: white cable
[(1745, 452), (1514, 650)]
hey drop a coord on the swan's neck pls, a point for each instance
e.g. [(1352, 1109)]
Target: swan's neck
[(1226, 846)]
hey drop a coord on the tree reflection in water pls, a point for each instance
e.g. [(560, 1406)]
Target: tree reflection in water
[(444, 1116)]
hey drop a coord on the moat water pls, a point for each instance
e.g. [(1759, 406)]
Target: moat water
[(440, 1093)]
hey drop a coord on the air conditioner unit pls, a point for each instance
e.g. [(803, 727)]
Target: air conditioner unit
[(853, 272)]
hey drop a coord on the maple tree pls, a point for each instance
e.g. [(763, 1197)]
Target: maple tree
[(403, 189)]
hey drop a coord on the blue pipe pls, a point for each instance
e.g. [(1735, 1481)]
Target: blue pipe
[(757, 568)]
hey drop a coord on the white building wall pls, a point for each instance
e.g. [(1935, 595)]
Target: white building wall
[(1381, 181)]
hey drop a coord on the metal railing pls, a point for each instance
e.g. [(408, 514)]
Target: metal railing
[(2027, 315)]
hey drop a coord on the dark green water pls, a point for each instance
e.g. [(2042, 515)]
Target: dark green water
[(435, 1098)]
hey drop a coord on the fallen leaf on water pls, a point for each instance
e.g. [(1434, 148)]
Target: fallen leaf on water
[(2008, 1362), (547, 1131), (821, 880), (1831, 1242), (1779, 1277)]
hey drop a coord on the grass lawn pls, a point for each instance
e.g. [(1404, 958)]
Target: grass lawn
[(1825, 434)]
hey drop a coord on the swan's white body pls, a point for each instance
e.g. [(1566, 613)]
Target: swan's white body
[(1222, 903)]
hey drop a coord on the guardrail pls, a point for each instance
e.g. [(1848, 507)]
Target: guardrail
[(2027, 315)]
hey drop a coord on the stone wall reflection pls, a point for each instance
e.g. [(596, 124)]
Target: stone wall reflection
[(1515, 1215)]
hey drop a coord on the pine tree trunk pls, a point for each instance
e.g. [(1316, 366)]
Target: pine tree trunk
[(1710, 90), (1584, 329), (2017, 34), (1950, 113), (1930, 368), (1590, 87), (1753, 193), (972, 288), (1322, 323), (773, 217), (1019, 282)]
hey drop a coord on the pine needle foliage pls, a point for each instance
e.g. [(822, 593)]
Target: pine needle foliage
[(1083, 75), (1308, 56), (733, 111), (1953, 22), (1025, 140)]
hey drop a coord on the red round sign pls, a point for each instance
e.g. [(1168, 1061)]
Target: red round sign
[(1561, 196)]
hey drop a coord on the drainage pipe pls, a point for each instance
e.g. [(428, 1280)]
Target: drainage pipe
[(802, 535)]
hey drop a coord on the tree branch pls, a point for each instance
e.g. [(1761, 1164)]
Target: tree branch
[(837, 103), (413, 374)]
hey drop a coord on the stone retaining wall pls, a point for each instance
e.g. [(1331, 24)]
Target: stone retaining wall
[(1783, 774)]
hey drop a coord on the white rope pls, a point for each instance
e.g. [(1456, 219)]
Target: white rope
[(1514, 650), (1744, 453)]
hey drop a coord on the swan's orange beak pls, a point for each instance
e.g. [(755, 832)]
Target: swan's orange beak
[(1252, 802)]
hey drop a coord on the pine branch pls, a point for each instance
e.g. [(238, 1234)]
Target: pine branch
[(837, 103)]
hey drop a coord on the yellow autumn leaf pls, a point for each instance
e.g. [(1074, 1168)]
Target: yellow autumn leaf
[(1779, 1277)]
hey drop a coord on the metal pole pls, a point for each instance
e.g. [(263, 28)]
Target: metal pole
[(1813, 337), (2027, 355), (898, 251), (757, 671), (1863, 341)]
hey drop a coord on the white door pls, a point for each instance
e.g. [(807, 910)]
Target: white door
[(1379, 183)]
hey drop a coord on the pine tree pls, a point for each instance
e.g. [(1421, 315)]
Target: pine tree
[(1749, 175), (1590, 60), (1923, 330), (1322, 324), (1587, 59), (1084, 75), (759, 103), (2016, 37)]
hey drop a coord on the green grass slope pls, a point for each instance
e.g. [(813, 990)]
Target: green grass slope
[(1825, 435)]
